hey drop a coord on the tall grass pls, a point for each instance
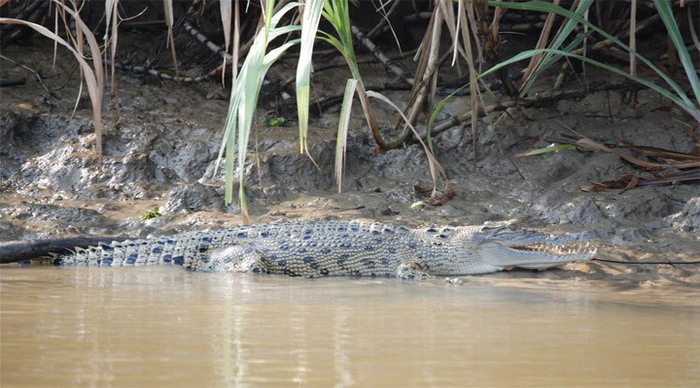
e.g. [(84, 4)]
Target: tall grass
[(309, 28), (244, 96), (673, 91), (246, 88)]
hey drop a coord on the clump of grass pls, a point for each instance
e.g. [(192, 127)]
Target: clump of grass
[(673, 91), (276, 122), (244, 96), (150, 214)]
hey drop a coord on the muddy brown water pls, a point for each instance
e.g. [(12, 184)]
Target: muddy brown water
[(166, 326)]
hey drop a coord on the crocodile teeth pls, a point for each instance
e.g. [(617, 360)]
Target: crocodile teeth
[(572, 248)]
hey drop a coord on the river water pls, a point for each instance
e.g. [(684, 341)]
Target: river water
[(169, 327)]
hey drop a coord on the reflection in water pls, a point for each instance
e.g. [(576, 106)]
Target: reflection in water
[(165, 326)]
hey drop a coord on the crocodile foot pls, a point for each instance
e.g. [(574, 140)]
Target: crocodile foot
[(235, 258), (413, 270)]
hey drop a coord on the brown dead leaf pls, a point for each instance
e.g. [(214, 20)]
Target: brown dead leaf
[(629, 181), (587, 143)]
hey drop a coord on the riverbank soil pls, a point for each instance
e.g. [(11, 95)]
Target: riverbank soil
[(161, 141)]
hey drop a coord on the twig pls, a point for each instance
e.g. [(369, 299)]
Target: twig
[(394, 67), (333, 65), (38, 8), (385, 19), (29, 69)]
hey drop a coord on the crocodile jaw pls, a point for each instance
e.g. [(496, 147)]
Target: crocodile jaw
[(536, 255)]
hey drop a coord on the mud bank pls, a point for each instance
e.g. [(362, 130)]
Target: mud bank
[(162, 140)]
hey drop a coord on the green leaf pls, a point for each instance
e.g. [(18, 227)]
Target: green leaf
[(669, 20)]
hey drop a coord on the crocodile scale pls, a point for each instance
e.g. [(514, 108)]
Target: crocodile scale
[(342, 248)]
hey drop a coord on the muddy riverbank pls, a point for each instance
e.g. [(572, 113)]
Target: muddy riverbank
[(162, 138)]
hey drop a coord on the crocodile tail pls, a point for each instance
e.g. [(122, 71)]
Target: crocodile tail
[(16, 251), (138, 252)]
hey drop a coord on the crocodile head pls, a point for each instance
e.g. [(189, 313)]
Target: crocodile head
[(503, 247)]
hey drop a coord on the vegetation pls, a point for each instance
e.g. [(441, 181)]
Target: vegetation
[(150, 214), (584, 32)]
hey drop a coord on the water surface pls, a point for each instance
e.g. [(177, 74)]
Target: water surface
[(167, 326)]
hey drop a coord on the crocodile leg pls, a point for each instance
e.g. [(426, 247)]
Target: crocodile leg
[(236, 258), (413, 270)]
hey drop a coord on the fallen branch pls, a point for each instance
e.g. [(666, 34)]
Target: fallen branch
[(629, 181), (591, 144)]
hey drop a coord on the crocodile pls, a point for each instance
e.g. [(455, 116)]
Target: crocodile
[(324, 248)]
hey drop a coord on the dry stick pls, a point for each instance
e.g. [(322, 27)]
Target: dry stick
[(537, 100), (332, 65), (656, 262), (29, 69), (37, 13), (378, 28), (633, 38), (541, 43), (659, 152), (394, 67), (489, 43), (589, 143), (427, 66), (466, 25), (200, 38), (29, 10)]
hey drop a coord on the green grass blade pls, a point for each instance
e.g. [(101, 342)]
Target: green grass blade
[(664, 92), (336, 12), (433, 116), (244, 96), (343, 124), (666, 14), (541, 6), (557, 43), (552, 59), (309, 29)]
